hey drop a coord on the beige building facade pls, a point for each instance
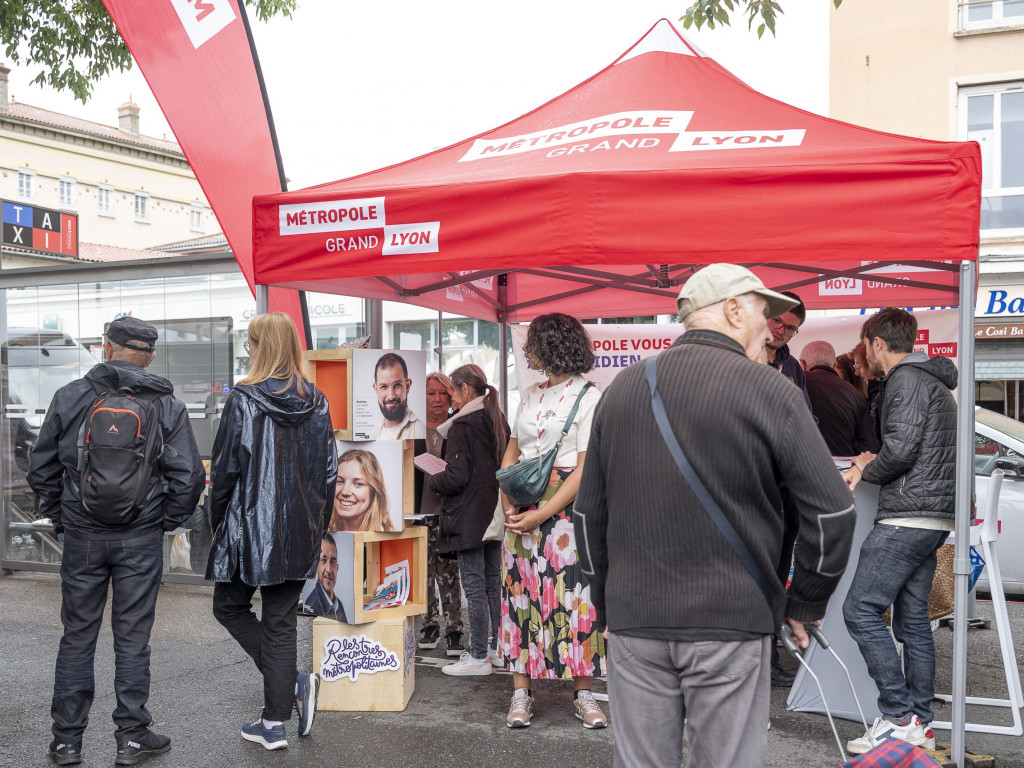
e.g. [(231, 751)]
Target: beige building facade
[(129, 191), (952, 71)]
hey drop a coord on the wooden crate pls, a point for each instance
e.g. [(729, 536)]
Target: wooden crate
[(379, 550), (379, 655), (331, 371)]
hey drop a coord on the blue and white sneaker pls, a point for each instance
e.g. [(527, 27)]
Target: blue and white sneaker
[(307, 688), (886, 730), (271, 738)]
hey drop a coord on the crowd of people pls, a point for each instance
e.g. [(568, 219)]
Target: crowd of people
[(648, 556)]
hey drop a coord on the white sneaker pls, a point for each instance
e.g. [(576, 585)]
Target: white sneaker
[(886, 730), (929, 737), (467, 665), (496, 657)]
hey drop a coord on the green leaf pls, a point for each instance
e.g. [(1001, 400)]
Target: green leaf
[(74, 43)]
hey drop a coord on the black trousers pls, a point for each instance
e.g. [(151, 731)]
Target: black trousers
[(269, 640), (132, 565)]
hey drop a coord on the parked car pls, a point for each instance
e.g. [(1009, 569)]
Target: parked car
[(999, 444)]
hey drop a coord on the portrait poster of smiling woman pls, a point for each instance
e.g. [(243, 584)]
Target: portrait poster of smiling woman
[(368, 495)]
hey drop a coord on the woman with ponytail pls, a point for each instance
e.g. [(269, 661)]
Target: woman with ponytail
[(476, 437)]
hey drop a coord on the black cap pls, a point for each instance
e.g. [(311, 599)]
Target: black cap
[(132, 333)]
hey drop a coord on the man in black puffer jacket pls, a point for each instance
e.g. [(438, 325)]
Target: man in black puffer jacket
[(916, 471)]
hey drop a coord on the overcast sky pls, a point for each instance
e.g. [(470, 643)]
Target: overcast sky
[(357, 86)]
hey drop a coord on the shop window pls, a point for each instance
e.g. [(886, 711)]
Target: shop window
[(994, 117), (26, 184), (104, 199), (54, 335), (67, 192), (990, 14), (142, 206)]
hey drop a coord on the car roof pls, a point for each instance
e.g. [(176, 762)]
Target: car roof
[(1001, 428)]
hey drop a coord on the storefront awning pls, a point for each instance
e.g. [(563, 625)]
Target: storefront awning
[(986, 369)]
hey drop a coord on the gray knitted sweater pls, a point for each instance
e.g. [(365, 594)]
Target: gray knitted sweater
[(657, 565)]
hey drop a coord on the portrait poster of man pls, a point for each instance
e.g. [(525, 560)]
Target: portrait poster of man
[(369, 493), (320, 594), (389, 394)]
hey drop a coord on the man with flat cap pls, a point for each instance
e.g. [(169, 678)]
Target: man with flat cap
[(127, 554), (691, 612)]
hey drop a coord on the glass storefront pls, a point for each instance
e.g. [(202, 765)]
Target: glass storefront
[(53, 334)]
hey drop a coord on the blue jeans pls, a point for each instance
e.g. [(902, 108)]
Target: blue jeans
[(133, 565), (896, 568), (480, 569)]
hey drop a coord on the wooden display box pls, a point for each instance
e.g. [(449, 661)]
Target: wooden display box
[(331, 371), (370, 653), (378, 550)]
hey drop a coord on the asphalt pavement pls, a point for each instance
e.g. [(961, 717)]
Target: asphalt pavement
[(204, 688)]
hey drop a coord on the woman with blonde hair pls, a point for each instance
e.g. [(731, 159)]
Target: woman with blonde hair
[(360, 498), (272, 479)]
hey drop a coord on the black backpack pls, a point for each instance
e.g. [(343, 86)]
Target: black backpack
[(119, 444)]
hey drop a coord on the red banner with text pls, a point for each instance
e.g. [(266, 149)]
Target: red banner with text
[(196, 57)]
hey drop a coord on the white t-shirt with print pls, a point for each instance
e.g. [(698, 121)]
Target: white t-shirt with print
[(542, 414)]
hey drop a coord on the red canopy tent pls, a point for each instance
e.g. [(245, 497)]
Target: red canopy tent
[(603, 200)]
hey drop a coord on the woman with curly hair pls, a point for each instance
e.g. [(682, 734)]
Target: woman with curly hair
[(360, 499), (548, 626)]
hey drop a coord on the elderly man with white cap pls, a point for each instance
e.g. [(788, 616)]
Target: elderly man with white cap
[(680, 520)]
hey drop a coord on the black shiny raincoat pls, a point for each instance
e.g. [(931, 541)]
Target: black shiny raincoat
[(272, 480)]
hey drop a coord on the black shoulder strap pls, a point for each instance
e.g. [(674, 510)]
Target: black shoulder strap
[(698, 487)]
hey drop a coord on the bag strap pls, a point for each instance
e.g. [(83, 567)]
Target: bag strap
[(698, 487), (572, 413)]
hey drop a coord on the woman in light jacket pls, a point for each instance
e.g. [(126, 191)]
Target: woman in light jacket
[(475, 437), (272, 489)]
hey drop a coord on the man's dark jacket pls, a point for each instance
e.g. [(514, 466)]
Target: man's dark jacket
[(323, 605), (656, 563), (916, 466), (790, 367), (53, 471), (842, 413), (272, 478)]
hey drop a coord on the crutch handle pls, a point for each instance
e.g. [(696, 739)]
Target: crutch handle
[(786, 635), (815, 631)]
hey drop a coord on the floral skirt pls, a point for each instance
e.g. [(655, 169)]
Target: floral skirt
[(548, 626)]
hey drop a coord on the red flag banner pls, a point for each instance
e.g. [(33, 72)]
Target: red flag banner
[(196, 57)]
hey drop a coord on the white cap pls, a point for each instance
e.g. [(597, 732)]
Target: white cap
[(718, 282)]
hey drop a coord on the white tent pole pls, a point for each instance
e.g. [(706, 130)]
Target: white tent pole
[(375, 322), (262, 299), (964, 502), (440, 341)]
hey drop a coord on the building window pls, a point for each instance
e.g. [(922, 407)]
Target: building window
[(104, 198), (993, 116), (195, 216), (26, 184), (67, 192), (987, 14), (142, 206)]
